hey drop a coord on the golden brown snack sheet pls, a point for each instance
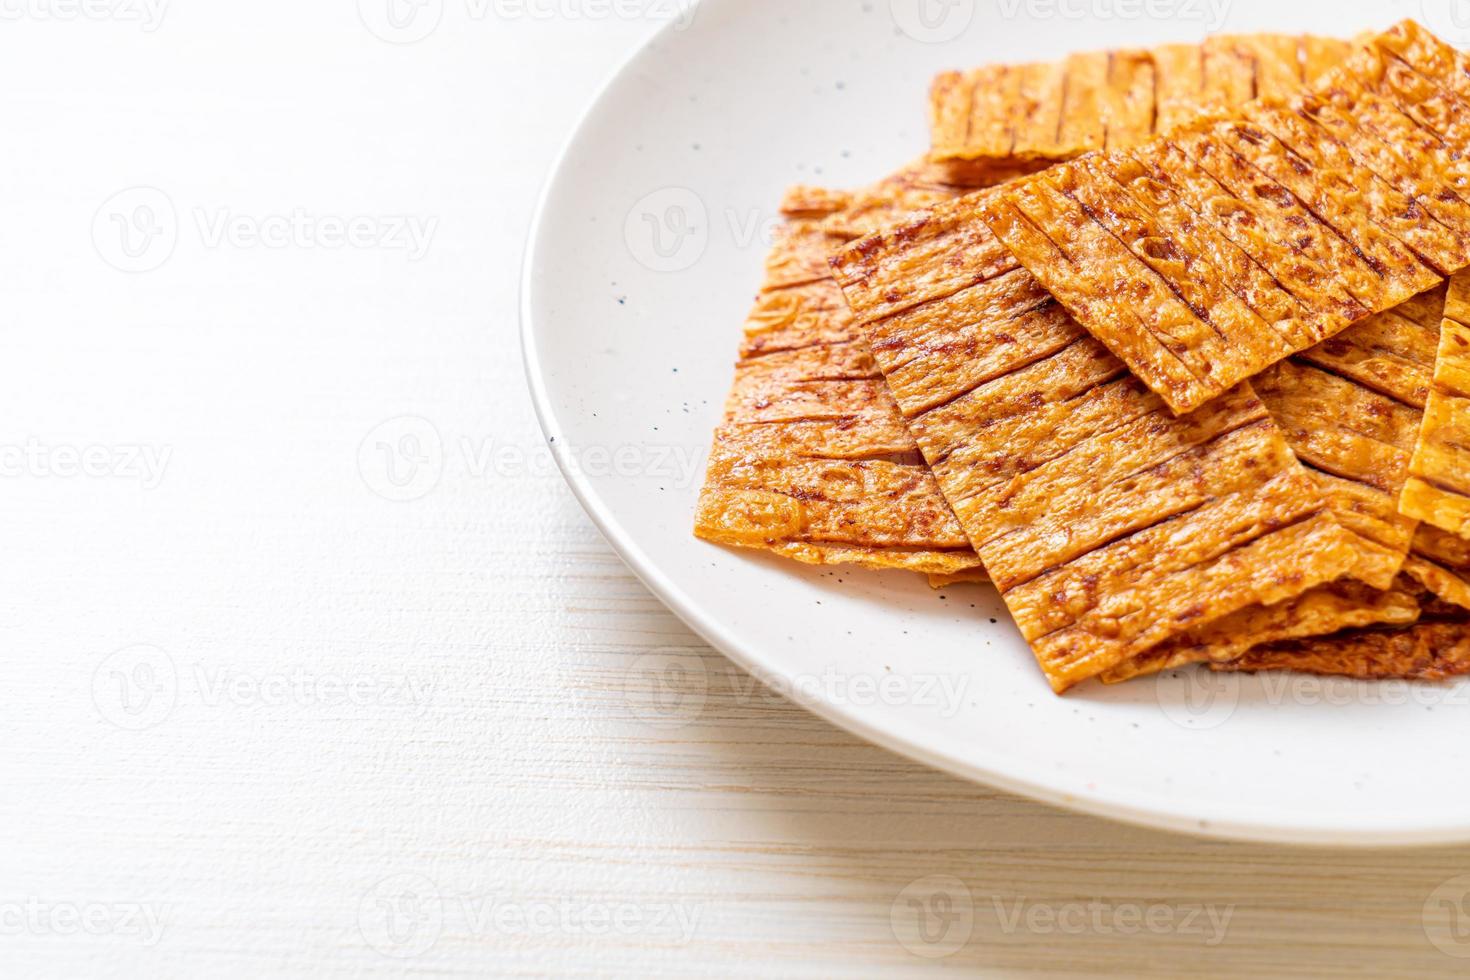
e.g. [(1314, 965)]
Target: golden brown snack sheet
[(1349, 409), (812, 460), (1204, 256), (1109, 525), (1005, 116), (1438, 489), (1440, 562), (1435, 648), (1342, 605)]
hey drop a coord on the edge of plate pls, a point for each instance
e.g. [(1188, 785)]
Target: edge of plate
[(1151, 814)]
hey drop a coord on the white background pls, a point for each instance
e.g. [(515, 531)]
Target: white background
[(262, 714)]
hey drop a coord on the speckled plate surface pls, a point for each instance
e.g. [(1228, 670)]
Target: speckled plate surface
[(643, 259)]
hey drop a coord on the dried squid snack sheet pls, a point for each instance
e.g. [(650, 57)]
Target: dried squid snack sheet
[(1438, 489), (1205, 256), (1006, 117), (1325, 610), (1109, 525), (1351, 408), (812, 460), (1440, 562), (1435, 648), (1348, 408)]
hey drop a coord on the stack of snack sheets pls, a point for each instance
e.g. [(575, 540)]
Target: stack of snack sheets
[(1171, 345)]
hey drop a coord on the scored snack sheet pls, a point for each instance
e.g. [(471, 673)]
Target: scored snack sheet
[(1348, 405), (1436, 648), (1351, 409), (812, 460), (768, 478), (1109, 525), (1047, 112), (1438, 490), (1202, 257), (1341, 605), (1440, 562)]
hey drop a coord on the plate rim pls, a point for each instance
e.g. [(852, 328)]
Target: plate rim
[(1109, 805)]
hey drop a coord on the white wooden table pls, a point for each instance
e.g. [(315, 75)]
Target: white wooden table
[(262, 715)]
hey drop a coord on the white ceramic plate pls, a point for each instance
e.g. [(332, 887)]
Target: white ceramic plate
[(643, 260)]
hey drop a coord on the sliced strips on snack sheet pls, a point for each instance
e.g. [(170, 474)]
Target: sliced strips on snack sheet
[(1205, 256), (1109, 525), (813, 460), (1015, 117), (1438, 489), (1342, 605), (1436, 648), (1440, 562)]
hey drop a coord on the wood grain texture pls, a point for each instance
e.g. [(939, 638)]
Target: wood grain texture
[(307, 730)]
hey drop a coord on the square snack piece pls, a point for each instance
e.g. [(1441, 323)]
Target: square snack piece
[(1435, 648), (1207, 255), (1109, 525), (1004, 116), (1351, 408), (1440, 562), (1327, 609), (1438, 490), (813, 460)]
